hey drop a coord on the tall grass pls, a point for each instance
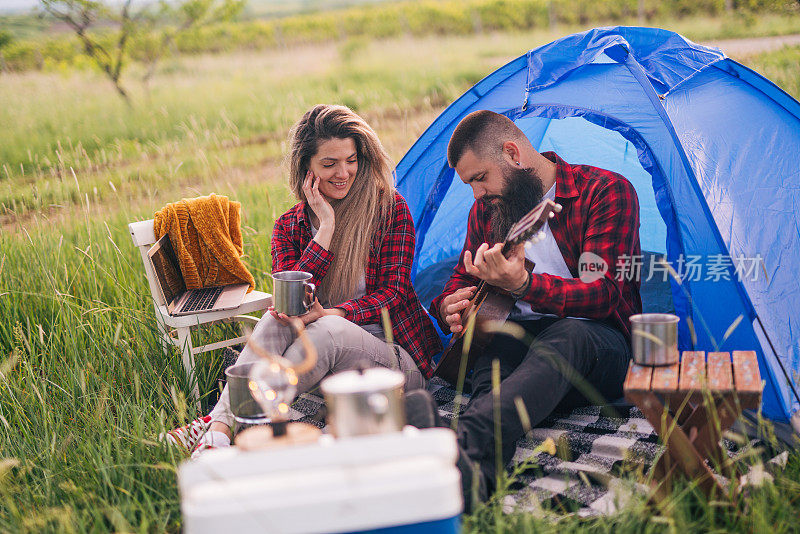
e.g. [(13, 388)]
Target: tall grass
[(84, 386)]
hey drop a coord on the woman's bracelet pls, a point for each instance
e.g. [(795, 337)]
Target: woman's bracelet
[(522, 290)]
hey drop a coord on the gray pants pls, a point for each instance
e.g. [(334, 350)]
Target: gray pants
[(341, 345)]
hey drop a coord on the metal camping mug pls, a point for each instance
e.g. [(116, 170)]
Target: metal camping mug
[(244, 407), (654, 338), (364, 402), (292, 293)]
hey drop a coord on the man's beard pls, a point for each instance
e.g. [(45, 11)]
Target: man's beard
[(523, 189)]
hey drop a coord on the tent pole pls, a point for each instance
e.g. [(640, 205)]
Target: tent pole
[(785, 373)]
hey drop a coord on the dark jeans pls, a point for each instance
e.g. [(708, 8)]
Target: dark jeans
[(550, 372)]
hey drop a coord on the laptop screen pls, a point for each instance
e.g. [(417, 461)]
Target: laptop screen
[(167, 269)]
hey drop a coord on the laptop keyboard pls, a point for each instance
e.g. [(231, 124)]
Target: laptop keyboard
[(202, 299)]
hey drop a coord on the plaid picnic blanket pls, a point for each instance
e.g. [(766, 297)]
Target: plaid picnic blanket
[(593, 446)]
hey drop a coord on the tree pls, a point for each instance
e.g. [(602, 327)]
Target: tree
[(81, 15), (187, 14), (121, 24)]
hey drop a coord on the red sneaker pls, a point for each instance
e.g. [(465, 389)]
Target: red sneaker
[(187, 436)]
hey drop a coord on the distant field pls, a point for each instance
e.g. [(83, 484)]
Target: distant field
[(282, 8), (20, 19), (55, 48), (220, 115), (84, 386)]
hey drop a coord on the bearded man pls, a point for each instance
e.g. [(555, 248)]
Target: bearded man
[(577, 341)]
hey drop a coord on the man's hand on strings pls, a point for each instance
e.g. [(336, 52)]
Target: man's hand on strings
[(453, 306)]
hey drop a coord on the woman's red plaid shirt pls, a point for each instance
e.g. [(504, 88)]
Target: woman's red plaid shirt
[(387, 277)]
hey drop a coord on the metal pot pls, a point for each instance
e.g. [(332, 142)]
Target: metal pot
[(368, 401), (654, 338), (244, 407)]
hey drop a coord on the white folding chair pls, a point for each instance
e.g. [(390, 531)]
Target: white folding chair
[(176, 331)]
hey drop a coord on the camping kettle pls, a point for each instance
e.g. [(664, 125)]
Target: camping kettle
[(364, 401)]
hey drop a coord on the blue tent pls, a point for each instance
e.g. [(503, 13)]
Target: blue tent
[(712, 148)]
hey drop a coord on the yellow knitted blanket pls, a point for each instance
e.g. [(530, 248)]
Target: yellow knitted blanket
[(206, 235)]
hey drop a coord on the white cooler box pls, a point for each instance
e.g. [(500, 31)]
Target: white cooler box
[(388, 483)]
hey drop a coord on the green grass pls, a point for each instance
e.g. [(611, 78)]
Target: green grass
[(84, 386), (194, 112), (197, 108), (781, 67)]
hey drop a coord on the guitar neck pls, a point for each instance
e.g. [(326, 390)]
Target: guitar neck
[(507, 247)]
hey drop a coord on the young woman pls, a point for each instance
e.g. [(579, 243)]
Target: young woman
[(353, 232)]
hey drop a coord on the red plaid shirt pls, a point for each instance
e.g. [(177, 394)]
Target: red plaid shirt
[(600, 215), (387, 277)]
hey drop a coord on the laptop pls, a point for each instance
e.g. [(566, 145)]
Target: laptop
[(173, 287)]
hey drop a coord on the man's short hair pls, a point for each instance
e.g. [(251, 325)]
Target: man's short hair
[(483, 132)]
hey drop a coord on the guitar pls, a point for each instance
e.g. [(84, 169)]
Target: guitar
[(491, 303)]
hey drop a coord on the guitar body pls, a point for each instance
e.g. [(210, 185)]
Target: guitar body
[(490, 303), (487, 305)]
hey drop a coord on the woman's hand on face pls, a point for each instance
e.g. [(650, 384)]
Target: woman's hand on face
[(322, 208)]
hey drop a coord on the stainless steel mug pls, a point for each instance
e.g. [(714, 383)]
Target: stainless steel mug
[(654, 338), (365, 402), (292, 293), (244, 407)]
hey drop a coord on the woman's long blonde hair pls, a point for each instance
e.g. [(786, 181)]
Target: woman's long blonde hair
[(363, 212)]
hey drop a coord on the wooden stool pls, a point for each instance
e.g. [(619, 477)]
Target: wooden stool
[(703, 398)]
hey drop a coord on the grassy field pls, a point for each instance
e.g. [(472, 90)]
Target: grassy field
[(224, 116), (84, 386)]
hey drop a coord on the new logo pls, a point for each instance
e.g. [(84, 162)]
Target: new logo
[(591, 267)]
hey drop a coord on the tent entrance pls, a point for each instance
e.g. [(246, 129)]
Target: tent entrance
[(578, 140)]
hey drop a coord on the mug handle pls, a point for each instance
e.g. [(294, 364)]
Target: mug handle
[(311, 295)]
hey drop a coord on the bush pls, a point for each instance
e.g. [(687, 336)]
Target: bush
[(381, 23), (424, 17)]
